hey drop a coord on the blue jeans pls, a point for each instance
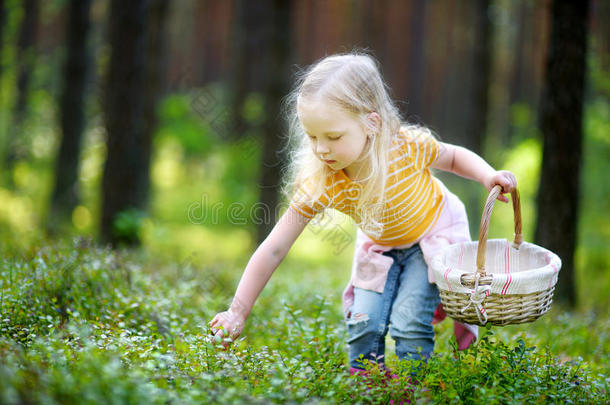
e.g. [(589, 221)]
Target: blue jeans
[(408, 302)]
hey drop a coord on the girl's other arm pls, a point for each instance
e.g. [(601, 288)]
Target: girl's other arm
[(468, 164), (259, 269)]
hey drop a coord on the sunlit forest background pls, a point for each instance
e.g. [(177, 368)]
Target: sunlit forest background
[(155, 128), (202, 162)]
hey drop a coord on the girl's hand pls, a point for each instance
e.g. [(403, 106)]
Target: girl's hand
[(227, 326), (503, 178)]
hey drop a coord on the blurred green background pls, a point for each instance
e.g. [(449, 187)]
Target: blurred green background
[(197, 173), (106, 296)]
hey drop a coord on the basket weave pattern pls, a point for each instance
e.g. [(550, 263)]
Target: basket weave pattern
[(510, 283), (501, 310)]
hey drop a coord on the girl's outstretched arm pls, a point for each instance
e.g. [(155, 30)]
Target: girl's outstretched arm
[(468, 164), (259, 269)]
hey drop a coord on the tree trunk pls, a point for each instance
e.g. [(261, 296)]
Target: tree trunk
[(249, 39), (417, 61), (443, 110), (155, 79), (524, 88), (477, 125), (277, 86), (436, 32), (132, 90), (3, 13), (3, 18), (561, 113), (371, 28), (461, 77), (16, 147), (65, 193)]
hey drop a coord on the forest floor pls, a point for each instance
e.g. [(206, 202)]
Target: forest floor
[(84, 324)]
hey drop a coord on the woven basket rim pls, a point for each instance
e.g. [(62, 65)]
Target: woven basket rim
[(448, 275), (439, 260), (514, 273)]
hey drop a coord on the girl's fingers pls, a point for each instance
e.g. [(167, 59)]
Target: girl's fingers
[(506, 188), (507, 181), (503, 198), (223, 327), (216, 325), (236, 332), (511, 182)]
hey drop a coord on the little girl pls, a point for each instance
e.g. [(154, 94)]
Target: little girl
[(354, 154)]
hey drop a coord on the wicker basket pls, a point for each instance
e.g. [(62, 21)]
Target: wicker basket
[(516, 286)]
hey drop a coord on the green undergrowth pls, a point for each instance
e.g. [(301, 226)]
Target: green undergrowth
[(82, 324)]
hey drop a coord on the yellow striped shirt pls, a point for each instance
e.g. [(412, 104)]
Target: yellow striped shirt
[(412, 198)]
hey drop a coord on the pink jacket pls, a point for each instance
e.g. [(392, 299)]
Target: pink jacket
[(370, 267)]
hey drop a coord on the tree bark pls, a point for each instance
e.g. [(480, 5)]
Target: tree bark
[(417, 60), (75, 74), (277, 86), (249, 39), (477, 125), (561, 122), (132, 91), (25, 60), (155, 78), (524, 86), (3, 13)]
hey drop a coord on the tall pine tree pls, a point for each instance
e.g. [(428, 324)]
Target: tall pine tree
[(72, 113), (133, 83), (561, 122)]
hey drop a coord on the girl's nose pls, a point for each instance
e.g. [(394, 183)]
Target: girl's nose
[(321, 148)]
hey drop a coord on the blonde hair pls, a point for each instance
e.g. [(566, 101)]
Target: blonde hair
[(353, 83)]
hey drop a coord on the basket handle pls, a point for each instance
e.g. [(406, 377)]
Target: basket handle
[(491, 199)]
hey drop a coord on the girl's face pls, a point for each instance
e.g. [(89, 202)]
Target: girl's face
[(337, 138)]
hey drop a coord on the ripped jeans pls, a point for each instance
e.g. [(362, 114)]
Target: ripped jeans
[(408, 302)]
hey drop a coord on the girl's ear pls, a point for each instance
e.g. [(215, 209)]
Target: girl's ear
[(373, 121)]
